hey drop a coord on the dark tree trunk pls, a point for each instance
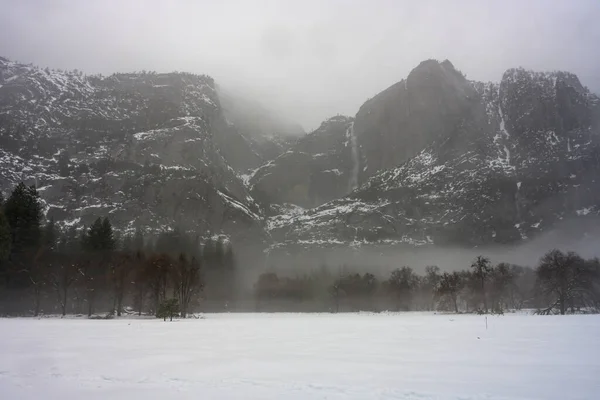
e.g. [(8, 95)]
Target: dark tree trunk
[(119, 304), (36, 310), (64, 302), (455, 304), (90, 303), (483, 296)]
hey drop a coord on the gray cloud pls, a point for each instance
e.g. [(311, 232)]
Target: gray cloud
[(310, 59)]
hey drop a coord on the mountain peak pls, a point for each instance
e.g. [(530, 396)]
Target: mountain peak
[(434, 68)]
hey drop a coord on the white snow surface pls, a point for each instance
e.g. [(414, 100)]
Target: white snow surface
[(303, 356)]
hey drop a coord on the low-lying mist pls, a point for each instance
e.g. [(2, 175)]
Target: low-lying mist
[(571, 235)]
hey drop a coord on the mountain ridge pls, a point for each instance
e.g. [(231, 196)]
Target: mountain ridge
[(431, 160), (494, 161)]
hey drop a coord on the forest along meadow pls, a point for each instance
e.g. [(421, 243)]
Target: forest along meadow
[(99, 272)]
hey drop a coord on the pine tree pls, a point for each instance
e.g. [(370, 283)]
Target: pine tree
[(5, 238), (99, 237), (168, 309), (91, 239), (107, 237), (23, 212), (5, 245)]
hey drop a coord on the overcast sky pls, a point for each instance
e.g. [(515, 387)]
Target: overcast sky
[(310, 59)]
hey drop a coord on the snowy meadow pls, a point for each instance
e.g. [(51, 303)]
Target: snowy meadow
[(303, 356)]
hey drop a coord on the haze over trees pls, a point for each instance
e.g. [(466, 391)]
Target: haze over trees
[(96, 270)]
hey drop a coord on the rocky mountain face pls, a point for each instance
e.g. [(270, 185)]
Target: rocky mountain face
[(316, 169), (435, 159), (146, 149), (444, 160)]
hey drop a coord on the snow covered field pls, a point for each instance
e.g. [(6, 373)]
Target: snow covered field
[(303, 356)]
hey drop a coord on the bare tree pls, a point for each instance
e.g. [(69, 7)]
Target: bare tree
[(187, 281), (566, 280), (450, 286), (156, 274), (402, 283), (501, 278), (62, 278), (119, 273), (139, 282), (431, 284), (37, 275)]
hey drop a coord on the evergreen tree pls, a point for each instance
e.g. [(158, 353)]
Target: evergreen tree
[(107, 237), (91, 239), (168, 309), (5, 245), (99, 237), (23, 212), (5, 238)]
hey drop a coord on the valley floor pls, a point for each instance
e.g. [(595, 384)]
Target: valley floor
[(303, 356)]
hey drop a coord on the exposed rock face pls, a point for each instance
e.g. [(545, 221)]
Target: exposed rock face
[(434, 159), (317, 169), (464, 162), (145, 149), (399, 122)]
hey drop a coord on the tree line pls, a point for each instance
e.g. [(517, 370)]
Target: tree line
[(560, 283), (87, 270), (96, 269)]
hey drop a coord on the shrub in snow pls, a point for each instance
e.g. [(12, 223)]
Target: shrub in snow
[(168, 308)]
